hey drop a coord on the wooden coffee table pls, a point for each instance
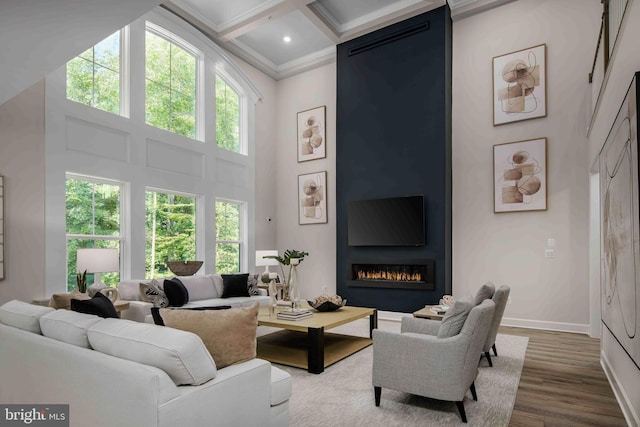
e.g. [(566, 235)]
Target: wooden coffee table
[(305, 344)]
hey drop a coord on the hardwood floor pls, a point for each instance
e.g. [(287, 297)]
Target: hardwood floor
[(562, 382)]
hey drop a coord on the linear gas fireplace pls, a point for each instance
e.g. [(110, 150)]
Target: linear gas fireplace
[(405, 274)]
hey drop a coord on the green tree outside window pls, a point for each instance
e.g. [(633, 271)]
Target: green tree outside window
[(170, 86), (227, 116), (170, 231), (92, 221), (93, 77), (228, 237)]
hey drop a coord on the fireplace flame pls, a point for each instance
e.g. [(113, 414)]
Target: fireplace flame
[(393, 276)]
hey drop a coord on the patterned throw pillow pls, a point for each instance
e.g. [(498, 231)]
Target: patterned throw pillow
[(252, 284), (152, 292)]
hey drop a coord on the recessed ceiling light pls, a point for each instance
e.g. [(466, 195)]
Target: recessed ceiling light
[(286, 39)]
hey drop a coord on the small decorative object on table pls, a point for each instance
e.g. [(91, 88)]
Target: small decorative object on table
[(447, 300), (272, 292), (184, 268), (327, 303)]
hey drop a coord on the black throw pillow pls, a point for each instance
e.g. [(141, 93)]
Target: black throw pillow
[(176, 292), (157, 318), (99, 305), (235, 285)]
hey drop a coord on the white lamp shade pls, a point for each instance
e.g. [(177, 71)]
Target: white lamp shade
[(266, 261), (98, 260)]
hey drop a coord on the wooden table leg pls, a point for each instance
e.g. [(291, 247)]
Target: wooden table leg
[(373, 323), (315, 350)]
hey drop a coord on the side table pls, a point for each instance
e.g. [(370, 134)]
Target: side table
[(426, 313)]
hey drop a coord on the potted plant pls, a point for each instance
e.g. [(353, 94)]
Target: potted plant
[(81, 281), (291, 258)]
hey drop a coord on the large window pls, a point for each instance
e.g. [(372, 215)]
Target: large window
[(93, 77), (227, 116), (228, 236), (171, 74), (92, 221), (170, 231)]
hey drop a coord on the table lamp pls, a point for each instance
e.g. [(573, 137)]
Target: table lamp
[(98, 260), (260, 260)]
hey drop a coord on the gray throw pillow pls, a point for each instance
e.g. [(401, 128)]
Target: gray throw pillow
[(453, 321), (485, 292)]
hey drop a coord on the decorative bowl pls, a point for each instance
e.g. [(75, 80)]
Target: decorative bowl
[(327, 305), (184, 268)]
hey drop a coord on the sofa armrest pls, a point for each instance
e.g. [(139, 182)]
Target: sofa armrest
[(263, 292), (420, 326), (225, 400), (137, 311)]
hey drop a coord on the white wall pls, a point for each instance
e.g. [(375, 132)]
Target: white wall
[(624, 376), (266, 156), (22, 158), (298, 93), (509, 248)]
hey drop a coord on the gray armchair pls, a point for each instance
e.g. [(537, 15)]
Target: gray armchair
[(416, 361), (500, 298)]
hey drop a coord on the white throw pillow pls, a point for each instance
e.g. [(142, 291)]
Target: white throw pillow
[(23, 315), (68, 326), (181, 354), (199, 287)]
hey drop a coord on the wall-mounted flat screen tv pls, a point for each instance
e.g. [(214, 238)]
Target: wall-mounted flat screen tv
[(397, 221)]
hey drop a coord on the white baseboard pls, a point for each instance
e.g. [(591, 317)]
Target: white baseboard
[(520, 323), (622, 398), (393, 316), (576, 328)]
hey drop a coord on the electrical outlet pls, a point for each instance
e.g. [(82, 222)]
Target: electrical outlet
[(549, 253), (509, 300)]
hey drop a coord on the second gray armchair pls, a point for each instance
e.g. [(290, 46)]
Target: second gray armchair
[(500, 298)]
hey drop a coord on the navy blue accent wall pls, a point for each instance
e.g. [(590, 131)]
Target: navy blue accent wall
[(394, 139)]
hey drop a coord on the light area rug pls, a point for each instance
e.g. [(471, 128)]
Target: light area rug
[(343, 394)]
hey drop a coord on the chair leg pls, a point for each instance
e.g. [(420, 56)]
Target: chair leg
[(377, 391), (488, 356), (473, 391), (463, 415), (494, 350)]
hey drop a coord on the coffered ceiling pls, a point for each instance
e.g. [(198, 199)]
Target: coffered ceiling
[(285, 37)]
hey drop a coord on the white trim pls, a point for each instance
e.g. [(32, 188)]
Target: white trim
[(546, 325), (168, 20), (621, 396)]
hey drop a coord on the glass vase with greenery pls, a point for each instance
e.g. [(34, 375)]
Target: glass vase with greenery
[(290, 258)]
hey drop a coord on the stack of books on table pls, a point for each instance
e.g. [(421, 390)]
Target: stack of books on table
[(295, 314)]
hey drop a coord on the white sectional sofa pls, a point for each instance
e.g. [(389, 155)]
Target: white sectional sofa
[(115, 372), (204, 291)]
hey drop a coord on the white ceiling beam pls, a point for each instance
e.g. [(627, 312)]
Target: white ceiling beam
[(254, 21), (318, 20)]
